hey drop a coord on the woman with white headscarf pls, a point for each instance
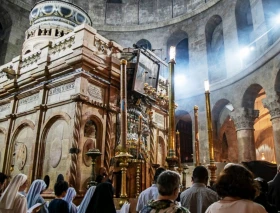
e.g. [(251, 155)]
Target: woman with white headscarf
[(34, 195), (84, 204), (69, 197), (11, 200)]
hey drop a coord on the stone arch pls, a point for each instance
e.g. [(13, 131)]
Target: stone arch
[(265, 145), (244, 22), (144, 43), (271, 10), (175, 38), (216, 114), (46, 128), (263, 132), (223, 128), (227, 134), (99, 131), (5, 29), (99, 135), (250, 95), (215, 49), (184, 126), (21, 148)]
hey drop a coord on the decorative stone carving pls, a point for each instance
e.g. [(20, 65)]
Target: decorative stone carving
[(95, 92), (21, 156), (55, 152), (75, 144), (159, 119), (62, 45), (102, 46), (244, 118), (108, 141), (62, 88), (31, 59), (89, 144), (28, 99), (273, 106)]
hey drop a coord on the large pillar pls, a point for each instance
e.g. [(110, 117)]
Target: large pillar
[(244, 123), (273, 106)]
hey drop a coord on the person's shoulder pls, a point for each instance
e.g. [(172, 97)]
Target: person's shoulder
[(210, 191), (182, 209), (186, 191), (258, 206)]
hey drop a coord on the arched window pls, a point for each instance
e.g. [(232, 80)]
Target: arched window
[(215, 49), (143, 43), (180, 40), (244, 22), (271, 14)]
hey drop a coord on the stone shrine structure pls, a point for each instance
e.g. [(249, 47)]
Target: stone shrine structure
[(60, 98)]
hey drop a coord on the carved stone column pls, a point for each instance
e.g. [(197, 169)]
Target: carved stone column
[(75, 144), (244, 123), (108, 141), (274, 109)]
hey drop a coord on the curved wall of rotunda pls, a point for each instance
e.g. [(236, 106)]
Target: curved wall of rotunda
[(235, 44)]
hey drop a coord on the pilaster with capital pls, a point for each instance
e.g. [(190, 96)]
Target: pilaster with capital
[(273, 105), (244, 123)]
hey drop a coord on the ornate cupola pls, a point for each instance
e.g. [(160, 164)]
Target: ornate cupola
[(50, 20)]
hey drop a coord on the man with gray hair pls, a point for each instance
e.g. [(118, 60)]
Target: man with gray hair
[(168, 184)]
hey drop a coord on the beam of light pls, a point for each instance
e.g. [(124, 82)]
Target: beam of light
[(180, 81)]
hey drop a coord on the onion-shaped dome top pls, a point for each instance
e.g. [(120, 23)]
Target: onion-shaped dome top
[(60, 11)]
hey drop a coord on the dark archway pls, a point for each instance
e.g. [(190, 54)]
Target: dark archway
[(184, 126), (250, 95), (144, 43), (215, 49)]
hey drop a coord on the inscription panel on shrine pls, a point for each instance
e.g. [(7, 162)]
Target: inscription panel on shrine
[(4, 109), (28, 103), (95, 93), (61, 92), (159, 119)]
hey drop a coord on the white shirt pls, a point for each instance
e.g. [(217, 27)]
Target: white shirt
[(145, 196)]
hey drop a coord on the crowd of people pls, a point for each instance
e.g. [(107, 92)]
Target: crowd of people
[(235, 190)]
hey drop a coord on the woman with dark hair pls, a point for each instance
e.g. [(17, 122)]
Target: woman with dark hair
[(102, 199), (237, 188)]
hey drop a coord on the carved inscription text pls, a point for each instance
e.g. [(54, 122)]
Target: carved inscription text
[(62, 88)]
